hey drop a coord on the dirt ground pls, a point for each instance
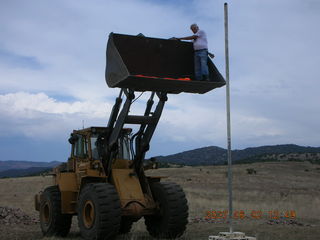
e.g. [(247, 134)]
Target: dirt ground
[(281, 201)]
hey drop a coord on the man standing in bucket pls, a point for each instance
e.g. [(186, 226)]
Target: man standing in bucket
[(200, 46)]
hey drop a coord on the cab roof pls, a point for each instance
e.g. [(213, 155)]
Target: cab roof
[(98, 130)]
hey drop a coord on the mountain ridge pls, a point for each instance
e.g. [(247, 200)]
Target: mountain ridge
[(213, 155), (20, 164), (210, 155)]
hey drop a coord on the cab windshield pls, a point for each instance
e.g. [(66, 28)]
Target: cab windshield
[(123, 147)]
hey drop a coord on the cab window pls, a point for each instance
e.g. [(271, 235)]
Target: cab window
[(81, 147), (94, 147), (123, 148)]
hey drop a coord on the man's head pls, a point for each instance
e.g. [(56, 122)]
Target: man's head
[(194, 28)]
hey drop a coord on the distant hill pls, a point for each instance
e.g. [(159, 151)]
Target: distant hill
[(24, 168), (217, 156), (11, 164), (201, 156), (24, 172)]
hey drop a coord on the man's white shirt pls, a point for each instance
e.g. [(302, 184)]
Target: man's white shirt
[(201, 42)]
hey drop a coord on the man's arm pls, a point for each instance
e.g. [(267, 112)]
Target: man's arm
[(193, 37)]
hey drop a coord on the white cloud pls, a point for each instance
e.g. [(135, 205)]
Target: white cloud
[(39, 116), (69, 39), (274, 49), (22, 102)]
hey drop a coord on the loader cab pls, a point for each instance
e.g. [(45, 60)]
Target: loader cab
[(89, 144), (97, 145)]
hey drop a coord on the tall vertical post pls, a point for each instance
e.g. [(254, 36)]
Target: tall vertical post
[(228, 116)]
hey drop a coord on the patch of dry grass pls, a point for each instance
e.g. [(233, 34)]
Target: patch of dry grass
[(276, 186)]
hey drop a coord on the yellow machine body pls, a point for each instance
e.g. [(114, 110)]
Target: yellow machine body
[(71, 178)]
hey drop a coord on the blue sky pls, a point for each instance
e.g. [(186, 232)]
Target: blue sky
[(52, 61)]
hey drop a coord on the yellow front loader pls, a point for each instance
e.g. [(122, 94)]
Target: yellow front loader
[(103, 182)]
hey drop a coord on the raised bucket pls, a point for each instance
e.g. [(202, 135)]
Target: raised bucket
[(153, 64)]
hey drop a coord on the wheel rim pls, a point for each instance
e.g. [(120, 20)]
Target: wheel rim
[(46, 213), (88, 214)]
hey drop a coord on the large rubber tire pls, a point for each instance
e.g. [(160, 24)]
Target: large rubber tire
[(171, 220), (99, 212), (52, 221), (125, 225)]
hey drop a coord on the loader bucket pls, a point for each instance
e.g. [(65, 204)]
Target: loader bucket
[(151, 64)]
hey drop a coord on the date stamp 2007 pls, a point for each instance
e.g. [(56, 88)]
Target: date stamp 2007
[(253, 214)]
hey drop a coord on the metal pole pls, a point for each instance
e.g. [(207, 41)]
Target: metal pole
[(228, 115)]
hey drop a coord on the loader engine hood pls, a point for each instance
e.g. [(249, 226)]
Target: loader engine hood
[(152, 64)]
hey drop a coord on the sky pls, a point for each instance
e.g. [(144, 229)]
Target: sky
[(52, 63)]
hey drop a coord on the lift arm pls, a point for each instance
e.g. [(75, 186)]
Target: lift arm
[(148, 123)]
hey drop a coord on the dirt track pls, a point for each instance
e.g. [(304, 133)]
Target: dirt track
[(276, 187), (194, 231)]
